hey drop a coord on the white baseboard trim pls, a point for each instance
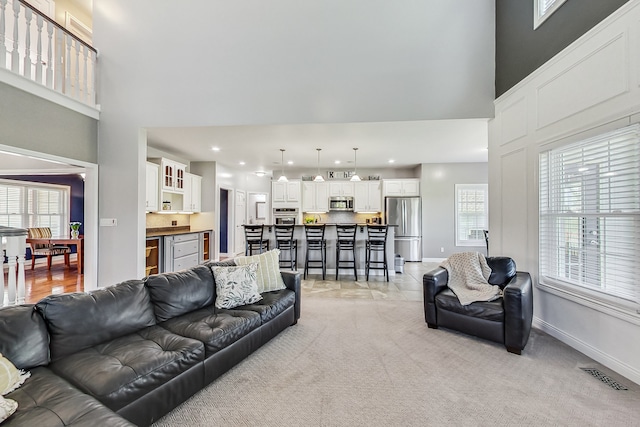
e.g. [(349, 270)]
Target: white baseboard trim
[(433, 259), (612, 363)]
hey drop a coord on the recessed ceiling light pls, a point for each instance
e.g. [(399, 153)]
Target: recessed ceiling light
[(261, 173), (242, 163), (225, 175), (337, 162), (290, 162), (391, 161), (215, 148)]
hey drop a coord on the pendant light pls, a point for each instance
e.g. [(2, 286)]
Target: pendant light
[(318, 177), (355, 177), (282, 177)]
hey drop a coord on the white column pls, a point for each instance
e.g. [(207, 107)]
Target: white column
[(11, 261)]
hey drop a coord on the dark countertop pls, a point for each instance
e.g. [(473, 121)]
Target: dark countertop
[(171, 231), (359, 224)]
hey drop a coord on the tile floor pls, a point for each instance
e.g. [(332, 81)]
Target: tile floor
[(406, 286)]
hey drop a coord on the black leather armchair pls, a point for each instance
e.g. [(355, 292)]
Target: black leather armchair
[(506, 320)]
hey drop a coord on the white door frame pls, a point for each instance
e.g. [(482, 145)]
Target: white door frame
[(90, 261)]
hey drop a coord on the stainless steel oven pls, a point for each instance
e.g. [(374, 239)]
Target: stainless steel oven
[(286, 216)]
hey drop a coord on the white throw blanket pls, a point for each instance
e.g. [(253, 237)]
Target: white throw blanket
[(468, 275)]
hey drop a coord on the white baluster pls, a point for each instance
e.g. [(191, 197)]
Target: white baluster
[(67, 68), (39, 23), (85, 86), (28, 14), (15, 55), (11, 257), (3, 48), (59, 61), (50, 49), (3, 302), (22, 248), (92, 79), (76, 78)]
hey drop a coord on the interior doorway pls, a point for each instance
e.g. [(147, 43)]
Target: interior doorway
[(224, 222)]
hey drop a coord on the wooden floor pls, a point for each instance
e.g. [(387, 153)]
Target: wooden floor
[(41, 281)]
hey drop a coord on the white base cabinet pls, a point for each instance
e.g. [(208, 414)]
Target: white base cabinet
[(181, 251)]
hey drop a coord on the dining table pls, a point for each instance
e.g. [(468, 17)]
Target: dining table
[(78, 242)]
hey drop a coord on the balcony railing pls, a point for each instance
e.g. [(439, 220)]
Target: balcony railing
[(37, 48)]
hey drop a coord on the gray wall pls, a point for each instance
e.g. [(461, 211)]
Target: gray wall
[(32, 123), (438, 205), (520, 49)]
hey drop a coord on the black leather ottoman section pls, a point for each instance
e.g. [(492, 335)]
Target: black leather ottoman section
[(272, 304), (46, 400), (122, 370), (216, 328), (488, 310)]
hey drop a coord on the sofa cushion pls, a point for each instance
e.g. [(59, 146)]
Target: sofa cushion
[(10, 377), (236, 285), (216, 328), (174, 294), (24, 339), (503, 269), (78, 321), (488, 310), (45, 399), (272, 304), (268, 275), (122, 370)]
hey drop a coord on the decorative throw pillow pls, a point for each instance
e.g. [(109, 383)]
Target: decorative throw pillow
[(236, 286), (10, 377), (7, 407), (269, 278)]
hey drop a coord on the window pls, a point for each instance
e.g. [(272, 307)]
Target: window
[(590, 214), (542, 9), (472, 207), (26, 204)]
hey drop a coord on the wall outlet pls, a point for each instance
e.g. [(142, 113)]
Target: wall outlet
[(174, 222), (441, 249)]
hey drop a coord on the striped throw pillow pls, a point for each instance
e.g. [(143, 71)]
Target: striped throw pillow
[(268, 275)]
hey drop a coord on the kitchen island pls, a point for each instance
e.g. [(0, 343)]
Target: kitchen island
[(330, 236)]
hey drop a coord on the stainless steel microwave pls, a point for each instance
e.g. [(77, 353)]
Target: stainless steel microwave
[(341, 203)]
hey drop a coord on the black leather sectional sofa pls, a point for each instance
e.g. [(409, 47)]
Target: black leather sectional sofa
[(128, 354)]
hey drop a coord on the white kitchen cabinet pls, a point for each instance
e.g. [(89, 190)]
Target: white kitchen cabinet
[(315, 197), (172, 175), (401, 187), (285, 194), (192, 199), (341, 189), (152, 193), (368, 196)]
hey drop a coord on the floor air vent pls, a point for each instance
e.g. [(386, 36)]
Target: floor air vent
[(604, 378)]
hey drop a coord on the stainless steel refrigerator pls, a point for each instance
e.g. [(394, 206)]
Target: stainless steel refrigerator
[(406, 214)]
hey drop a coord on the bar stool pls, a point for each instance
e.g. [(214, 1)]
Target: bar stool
[(254, 240), (346, 241), (377, 244), (315, 242), (286, 243)]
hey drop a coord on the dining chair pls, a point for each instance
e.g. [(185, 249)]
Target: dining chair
[(46, 249)]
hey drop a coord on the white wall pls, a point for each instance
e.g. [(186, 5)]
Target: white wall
[(437, 188), (239, 63), (589, 88)]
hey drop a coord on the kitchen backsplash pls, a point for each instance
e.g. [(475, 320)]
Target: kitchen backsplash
[(166, 220)]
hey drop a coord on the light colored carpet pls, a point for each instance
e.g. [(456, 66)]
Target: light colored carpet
[(370, 362)]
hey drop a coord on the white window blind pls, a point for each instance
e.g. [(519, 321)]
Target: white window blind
[(27, 204), (590, 214), (543, 9), (472, 207)]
